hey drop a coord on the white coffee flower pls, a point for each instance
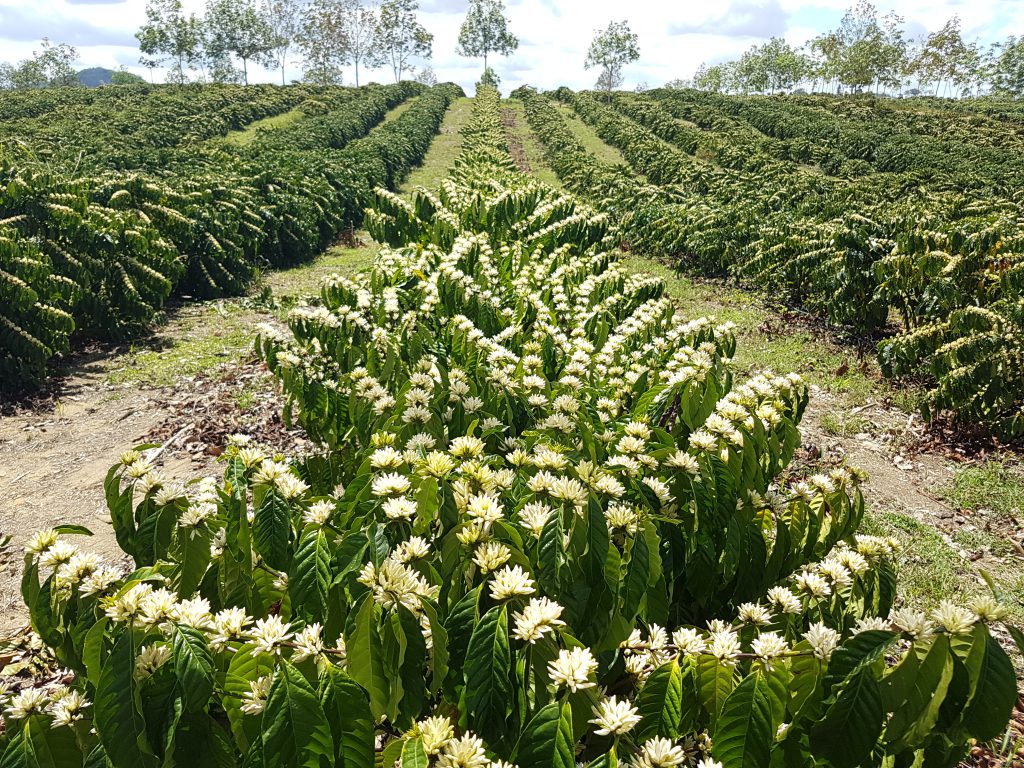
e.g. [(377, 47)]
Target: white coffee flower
[(615, 717), (310, 642), (467, 751), (268, 634), (660, 753), (953, 618), (823, 640), (573, 669), (255, 701), (435, 732), (511, 581), (539, 617), (150, 659)]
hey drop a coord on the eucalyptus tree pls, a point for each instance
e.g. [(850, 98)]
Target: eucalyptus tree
[(48, 67), (1008, 67), (400, 36), (485, 31), (284, 17), (359, 25), (170, 35), (611, 49), (237, 28), (323, 41)]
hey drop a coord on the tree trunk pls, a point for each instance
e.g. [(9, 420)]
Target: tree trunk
[(485, 62), (357, 72), (245, 70)]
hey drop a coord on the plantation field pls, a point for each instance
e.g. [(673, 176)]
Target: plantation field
[(496, 467)]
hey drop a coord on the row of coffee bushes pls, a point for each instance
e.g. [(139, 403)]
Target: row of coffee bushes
[(864, 253), (107, 249)]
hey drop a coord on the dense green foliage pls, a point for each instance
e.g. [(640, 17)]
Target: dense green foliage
[(870, 215), (548, 528), (107, 246)]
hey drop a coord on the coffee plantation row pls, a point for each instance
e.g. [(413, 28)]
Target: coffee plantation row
[(877, 219), (547, 528), (109, 206)]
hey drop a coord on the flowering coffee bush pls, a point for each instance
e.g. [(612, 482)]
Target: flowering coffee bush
[(549, 529)]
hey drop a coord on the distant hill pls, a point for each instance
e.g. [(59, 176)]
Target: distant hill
[(97, 76)]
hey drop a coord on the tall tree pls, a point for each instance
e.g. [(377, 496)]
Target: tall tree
[(1008, 67), (169, 35), (323, 40), (359, 25), (284, 17), (485, 31), (236, 28), (426, 76), (400, 35), (611, 49), (48, 67)]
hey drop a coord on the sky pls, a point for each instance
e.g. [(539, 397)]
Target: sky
[(675, 37)]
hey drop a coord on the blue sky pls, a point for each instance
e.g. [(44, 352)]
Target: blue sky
[(674, 36)]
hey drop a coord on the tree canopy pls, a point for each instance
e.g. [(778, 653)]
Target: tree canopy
[(485, 31)]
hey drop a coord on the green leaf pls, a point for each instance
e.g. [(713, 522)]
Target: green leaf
[(660, 703), (744, 733), (994, 687), (272, 530), (193, 666), (548, 741), (37, 745), (488, 663), (852, 724), (295, 729), (365, 657), (912, 721), (715, 682), (118, 710), (347, 708), (310, 579), (439, 646), (414, 755)]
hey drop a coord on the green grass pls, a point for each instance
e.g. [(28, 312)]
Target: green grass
[(589, 139), (211, 334), (839, 424), (443, 149), (531, 145), (304, 281), (396, 111), (997, 486), (248, 134)]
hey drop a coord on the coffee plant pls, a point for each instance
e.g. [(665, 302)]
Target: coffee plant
[(548, 527)]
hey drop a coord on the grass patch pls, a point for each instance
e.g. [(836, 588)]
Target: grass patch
[(995, 485), (932, 568), (589, 138), (443, 149), (212, 334), (304, 280), (840, 424), (248, 134), (534, 150), (394, 113)]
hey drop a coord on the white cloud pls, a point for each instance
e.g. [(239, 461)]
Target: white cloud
[(674, 37)]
